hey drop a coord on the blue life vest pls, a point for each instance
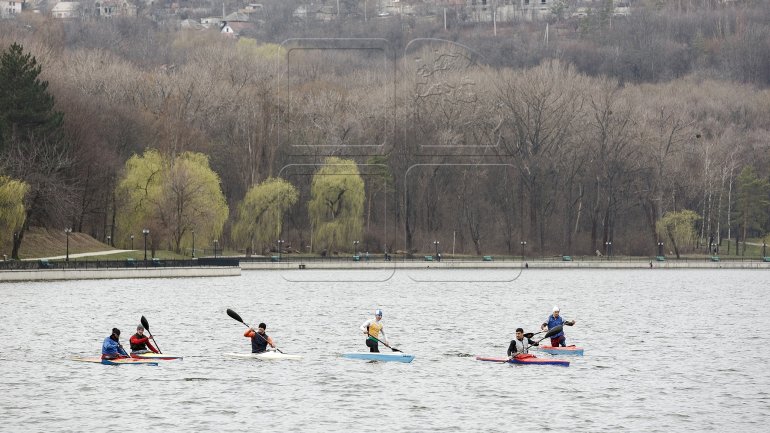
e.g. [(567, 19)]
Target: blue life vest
[(552, 323)]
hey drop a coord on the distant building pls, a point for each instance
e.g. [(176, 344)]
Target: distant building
[(10, 8), (104, 8), (189, 24), (238, 17), (211, 21), (237, 28), (67, 10)]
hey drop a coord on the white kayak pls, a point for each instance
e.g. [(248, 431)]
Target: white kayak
[(374, 356), (265, 356)]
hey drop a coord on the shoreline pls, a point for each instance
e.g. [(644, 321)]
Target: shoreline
[(64, 274), (535, 264), (19, 275)]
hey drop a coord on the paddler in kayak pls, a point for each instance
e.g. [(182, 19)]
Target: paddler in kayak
[(140, 343), (111, 348), (520, 345), (553, 321), (372, 328), (259, 340)]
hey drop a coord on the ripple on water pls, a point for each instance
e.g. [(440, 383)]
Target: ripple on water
[(615, 386)]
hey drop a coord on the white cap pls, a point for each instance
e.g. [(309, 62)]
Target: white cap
[(555, 308)]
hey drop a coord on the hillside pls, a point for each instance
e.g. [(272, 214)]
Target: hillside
[(41, 242)]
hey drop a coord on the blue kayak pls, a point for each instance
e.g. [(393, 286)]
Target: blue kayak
[(569, 350), (374, 356)]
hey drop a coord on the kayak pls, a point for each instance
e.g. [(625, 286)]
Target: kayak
[(265, 356), (569, 350), (120, 361), (527, 360), (374, 356), (155, 356)]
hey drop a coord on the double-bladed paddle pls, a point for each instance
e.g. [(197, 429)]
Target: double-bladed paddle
[(237, 317), (553, 331), (380, 341), (147, 327), (530, 335)]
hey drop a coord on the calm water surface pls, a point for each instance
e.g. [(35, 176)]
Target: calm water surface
[(665, 351)]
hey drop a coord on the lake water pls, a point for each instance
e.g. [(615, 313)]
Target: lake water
[(665, 350)]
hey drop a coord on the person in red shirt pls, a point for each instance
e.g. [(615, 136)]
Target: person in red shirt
[(140, 343), (259, 340)]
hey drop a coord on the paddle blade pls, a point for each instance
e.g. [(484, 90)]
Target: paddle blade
[(529, 335), (145, 324), (553, 332), (234, 315)]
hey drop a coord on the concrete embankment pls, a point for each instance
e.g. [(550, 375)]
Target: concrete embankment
[(449, 264), (117, 273)]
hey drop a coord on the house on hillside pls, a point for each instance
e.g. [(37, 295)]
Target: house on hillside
[(114, 8), (506, 10), (67, 10), (236, 17), (238, 28), (211, 21), (189, 24), (317, 12), (10, 8)]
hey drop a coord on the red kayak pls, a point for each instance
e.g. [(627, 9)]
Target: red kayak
[(527, 359)]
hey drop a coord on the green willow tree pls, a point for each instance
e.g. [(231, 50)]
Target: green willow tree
[(172, 197), (12, 194), (260, 214), (752, 202), (336, 206), (679, 228)]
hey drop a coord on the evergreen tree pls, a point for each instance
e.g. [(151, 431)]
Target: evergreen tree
[(26, 107)]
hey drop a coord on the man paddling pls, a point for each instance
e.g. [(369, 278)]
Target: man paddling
[(111, 348), (140, 343), (553, 321), (259, 340), (520, 345), (372, 328)]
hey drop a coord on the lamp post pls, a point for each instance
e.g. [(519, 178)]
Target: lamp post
[(132, 242), (216, 246), (109, 240), (764, 248), (608, 244), (355, 248), (523, 244), (435, 244), (660, 249), (145, 232), (280, 248), (193, 246), (67, 231)]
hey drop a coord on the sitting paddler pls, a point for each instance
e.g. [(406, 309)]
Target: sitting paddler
[(259, 340), (553, 321), (140, 343), (520, 345), (111, 348), (372, 328)]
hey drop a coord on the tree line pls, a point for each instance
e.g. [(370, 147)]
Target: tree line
[(214, 137)]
